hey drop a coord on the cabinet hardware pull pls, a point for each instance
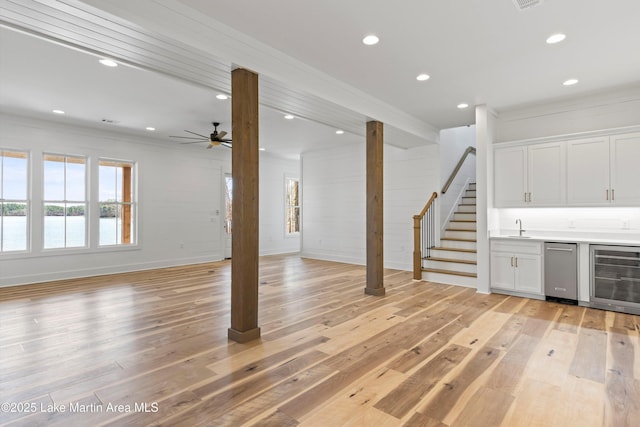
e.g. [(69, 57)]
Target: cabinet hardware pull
[(607, 194), (529, 197), (525, 197), (560, 249), (516, 262), (613, 194), (511, 261)]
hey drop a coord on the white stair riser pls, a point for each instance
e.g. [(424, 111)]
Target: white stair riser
[(470, 193), (467, 208), (471, 234), (451, 266), (449, 279), (461, 215), (463, 225), (443, 253), (457, 244), (468, 200), (472, 186)]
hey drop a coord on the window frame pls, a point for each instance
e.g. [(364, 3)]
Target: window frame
[(288, 206), (129, 229), (44, 201), (27, 202)]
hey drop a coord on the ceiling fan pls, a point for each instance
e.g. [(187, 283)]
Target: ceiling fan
[(214, 139)]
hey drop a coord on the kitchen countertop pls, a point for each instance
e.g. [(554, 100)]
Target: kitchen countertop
[(600, 240)]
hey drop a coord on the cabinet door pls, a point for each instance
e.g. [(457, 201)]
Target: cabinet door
[(510, 176), (528, 274), (625, 169), (546, 173), (588, 171), (502, 271)]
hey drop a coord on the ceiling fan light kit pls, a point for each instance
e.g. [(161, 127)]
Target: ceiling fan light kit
[(214, 139)]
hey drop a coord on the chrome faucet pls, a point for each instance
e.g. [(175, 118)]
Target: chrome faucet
[(520, 231)]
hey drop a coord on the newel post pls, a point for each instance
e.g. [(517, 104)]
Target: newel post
[(417, 250)]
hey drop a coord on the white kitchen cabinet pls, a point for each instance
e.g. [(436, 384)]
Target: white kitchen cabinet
[(588, 171), (625, 169), (516, 266), (510, 176), (530, 175), (604, 171)]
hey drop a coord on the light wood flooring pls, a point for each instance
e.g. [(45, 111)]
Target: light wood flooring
[(151, 348)]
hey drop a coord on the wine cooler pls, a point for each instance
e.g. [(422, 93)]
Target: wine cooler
[(615, 278)]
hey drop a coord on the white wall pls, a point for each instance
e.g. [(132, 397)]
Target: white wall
[(334, 200), (453, 143), (273, 239), (613, 109), (180, 198)]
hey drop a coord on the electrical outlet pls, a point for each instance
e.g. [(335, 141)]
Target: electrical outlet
[(625, 224)]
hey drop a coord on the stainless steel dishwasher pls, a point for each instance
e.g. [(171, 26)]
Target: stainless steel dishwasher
[(561, 272)]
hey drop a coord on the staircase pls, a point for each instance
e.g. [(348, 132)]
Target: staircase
[(454, 261)]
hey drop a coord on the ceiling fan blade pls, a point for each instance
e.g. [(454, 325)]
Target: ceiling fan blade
[(202, 136), (194, 142), (186, 137), (221, 134), (224, 140), (227, 144), (209, 146)]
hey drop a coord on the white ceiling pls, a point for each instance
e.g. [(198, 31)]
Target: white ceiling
[(478, 52)]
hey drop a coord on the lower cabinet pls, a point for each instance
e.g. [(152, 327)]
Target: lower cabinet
[(516, 266)]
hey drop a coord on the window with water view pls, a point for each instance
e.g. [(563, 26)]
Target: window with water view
[(117, 208), (14, 203), (65, 201)]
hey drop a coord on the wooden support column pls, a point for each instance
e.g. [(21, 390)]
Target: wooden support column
[(375, 223), (244, 243)]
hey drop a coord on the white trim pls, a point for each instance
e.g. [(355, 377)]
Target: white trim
[(569, 136)]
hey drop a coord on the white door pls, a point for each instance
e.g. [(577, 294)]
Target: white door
[(502, 275), (228, 197), (546, 174), (528, 270), (588, 171), (510, 166), (625, 173)]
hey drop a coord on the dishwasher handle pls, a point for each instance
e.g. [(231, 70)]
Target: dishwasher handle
[(560, 249)]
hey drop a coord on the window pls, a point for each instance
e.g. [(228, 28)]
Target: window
[(14, 204), (65, 203), (292, 206), (228, 198), (117, 207)]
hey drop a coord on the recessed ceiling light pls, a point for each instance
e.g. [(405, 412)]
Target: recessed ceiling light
[(370, 40), (288, 117), (150, 128), (339, 132), (463, 105), (108, 62), (222, 96), (556, 38), (57, 111), (262, 149), (570, 82), (422, 77)]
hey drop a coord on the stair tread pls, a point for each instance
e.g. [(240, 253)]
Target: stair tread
[(460, 229), (457, 239), (459, 261), (463, 220), (455, 273), (444, 248), (466, 212)]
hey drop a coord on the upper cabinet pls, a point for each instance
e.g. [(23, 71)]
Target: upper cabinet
[(597, 171), (604, 171), (531, 175), (625, 169)]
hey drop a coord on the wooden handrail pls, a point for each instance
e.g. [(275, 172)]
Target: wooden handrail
[(457, 168), (427, 206), (417, 243)]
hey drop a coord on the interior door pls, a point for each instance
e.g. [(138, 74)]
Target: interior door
[(228, 197)]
